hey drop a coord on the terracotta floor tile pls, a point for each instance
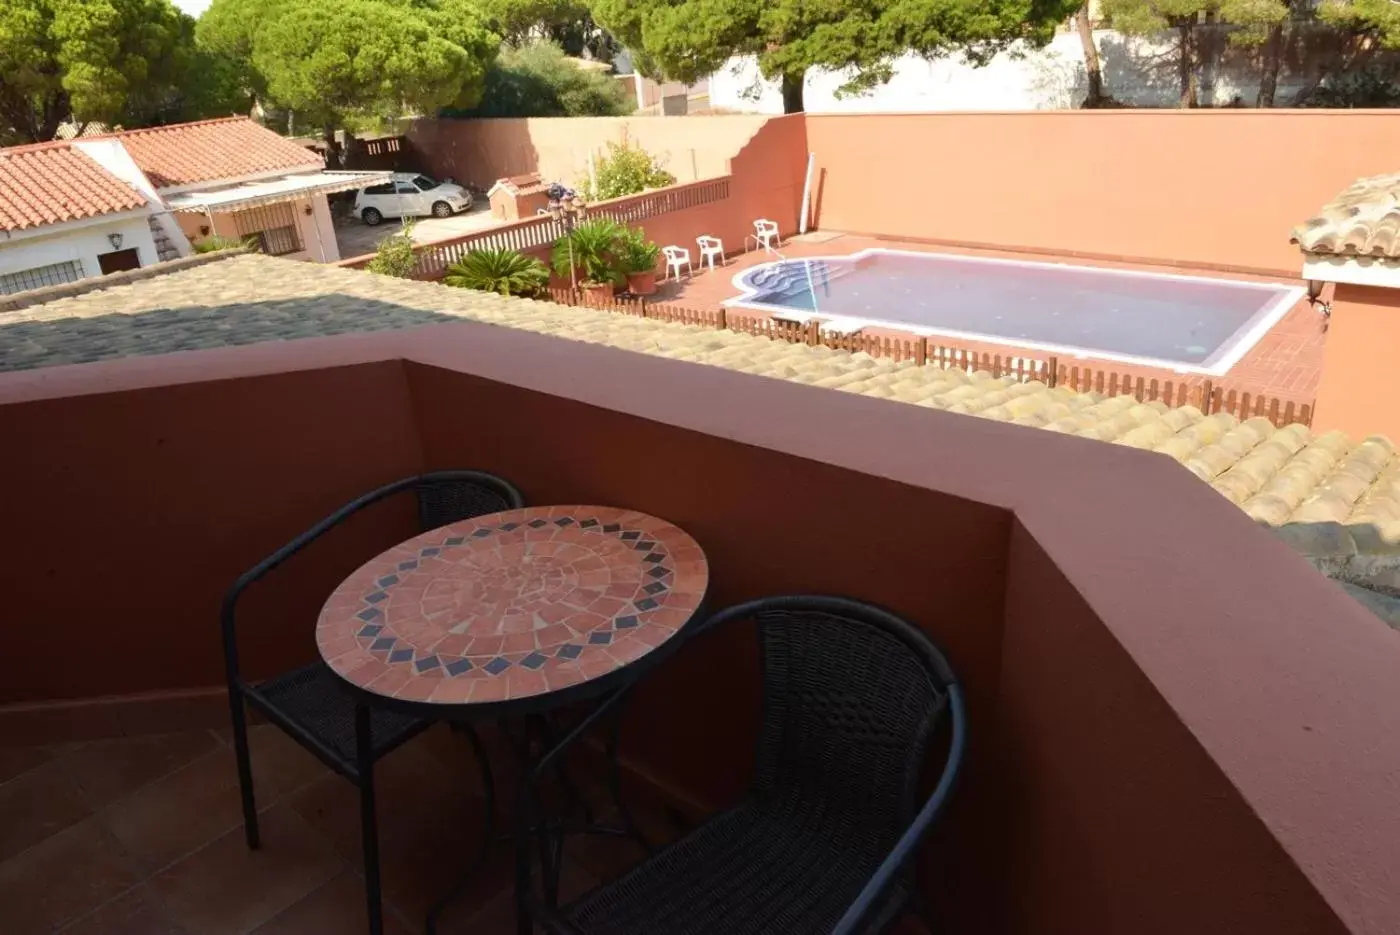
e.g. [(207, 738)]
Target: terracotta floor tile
[(418, 873), (65, 877), (137, 912), (106, 770), (337, 908), (278, 759), (17, 760), (413, 792), (226, 889), (497, 917), (37, 804), (172, 816)]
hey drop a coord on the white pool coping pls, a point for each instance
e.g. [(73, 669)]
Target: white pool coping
[(1228, 353)]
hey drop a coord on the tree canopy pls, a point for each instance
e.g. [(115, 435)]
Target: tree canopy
[(114, 61), (537, 80), (333, 60), (686, 39)]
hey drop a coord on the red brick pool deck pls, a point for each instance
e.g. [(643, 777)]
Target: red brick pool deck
[(1286, 363)]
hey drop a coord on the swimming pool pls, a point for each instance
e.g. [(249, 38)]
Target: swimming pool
[(1190, 324)]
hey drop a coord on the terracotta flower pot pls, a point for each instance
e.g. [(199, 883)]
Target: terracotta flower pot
[(643, 283), (596, 294)]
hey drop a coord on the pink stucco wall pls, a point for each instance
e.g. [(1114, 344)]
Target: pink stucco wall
[(1204, 188), (1162, 741)]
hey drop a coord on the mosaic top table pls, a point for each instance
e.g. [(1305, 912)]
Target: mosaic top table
[(524, 608)]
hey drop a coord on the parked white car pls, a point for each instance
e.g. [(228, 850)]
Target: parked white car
[(410, 195)]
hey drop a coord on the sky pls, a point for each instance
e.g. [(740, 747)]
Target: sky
[(192, 7)]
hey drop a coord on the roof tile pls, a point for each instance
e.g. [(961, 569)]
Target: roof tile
[(1364, 220), (50, 183), (213, 150)]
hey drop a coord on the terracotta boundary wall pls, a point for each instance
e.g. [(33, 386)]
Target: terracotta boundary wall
[(1360, 389), (1217, 188), (558, 148), (765, 181), (1149, 721)]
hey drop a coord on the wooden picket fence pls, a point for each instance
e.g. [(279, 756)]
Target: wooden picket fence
[(1204, 395), (539, 232)]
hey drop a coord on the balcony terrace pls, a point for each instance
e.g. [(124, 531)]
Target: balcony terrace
[(1177, 725)]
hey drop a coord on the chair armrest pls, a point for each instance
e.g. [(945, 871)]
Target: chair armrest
[(904, 848), (230, 601)]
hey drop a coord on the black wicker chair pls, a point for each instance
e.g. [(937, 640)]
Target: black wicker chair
[(311, 703), (823, 841)]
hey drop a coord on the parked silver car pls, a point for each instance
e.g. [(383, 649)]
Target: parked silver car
[(410, 194)]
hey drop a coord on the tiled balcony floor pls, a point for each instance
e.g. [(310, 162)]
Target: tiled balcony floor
[(143, 836), (1286, 363)]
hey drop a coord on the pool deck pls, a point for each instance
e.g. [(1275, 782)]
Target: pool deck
[(1286, 363)]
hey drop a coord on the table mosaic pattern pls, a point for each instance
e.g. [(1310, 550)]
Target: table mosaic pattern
[(512, 605)]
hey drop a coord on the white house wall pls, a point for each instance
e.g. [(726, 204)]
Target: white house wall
[(81, 244), (1138, 72), (317, 229), (113, 156)]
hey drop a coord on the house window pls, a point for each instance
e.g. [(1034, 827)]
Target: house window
[(279, 240), (55, 274), (273, 227)]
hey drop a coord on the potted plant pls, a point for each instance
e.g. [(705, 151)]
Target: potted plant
[(637, 258), (589, 255), (498, 270)]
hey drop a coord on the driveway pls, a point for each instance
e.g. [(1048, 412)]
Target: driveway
[(357, 238)]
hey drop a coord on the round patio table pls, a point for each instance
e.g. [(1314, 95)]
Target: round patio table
[(516, 612)]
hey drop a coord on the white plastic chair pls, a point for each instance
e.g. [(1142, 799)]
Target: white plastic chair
[(710, 247), (765, 235), (676, 257)]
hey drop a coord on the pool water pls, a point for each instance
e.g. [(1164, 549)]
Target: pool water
[(1186, 323)]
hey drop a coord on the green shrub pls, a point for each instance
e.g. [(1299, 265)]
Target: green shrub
[(1376, 85), (592, 250), (394, 255), (211, 244), (626, 170), (503, 271), (636, 254), (537, 80)]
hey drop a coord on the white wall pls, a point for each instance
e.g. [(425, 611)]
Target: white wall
[(1138, 72), (113, 156), (80, 243), (317, 230)]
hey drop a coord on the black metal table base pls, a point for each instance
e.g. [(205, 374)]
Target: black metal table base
[(538, 748)]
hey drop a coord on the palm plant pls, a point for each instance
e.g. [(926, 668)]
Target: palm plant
[(636, 254), (498, 270), (592, 248)]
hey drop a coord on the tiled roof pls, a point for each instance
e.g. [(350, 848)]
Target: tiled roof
[(1335, 499), (1364, 220), (50, 183), (212, 150), (521, 184)]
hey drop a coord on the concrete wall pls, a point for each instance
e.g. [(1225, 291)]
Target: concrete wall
[(1203, 188), (81, 243), (479, 152), (1358, 393), (1137, 72)]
